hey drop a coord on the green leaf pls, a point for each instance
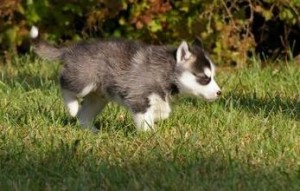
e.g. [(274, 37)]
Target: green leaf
[(154, 26)]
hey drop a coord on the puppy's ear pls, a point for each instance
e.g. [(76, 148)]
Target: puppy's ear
[(198, 42), (183, 53)]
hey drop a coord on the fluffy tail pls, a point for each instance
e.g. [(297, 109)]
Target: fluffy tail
[(44, 49)]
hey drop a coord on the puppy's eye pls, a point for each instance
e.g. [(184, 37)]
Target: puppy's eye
[(203, 80)]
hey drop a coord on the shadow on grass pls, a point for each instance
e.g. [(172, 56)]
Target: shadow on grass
[(68, 168), (250, 102), (268, 105)]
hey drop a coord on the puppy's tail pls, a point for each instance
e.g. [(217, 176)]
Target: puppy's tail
[(42, 48)]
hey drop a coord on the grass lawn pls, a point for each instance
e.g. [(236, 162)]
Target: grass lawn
[(247, 140)]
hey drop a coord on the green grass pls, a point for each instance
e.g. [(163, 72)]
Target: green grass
[(248, 140)]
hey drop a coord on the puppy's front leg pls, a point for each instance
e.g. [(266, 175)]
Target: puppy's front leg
[(144, 121)]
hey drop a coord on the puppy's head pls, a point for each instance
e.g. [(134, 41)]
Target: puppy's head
[(196, 72)]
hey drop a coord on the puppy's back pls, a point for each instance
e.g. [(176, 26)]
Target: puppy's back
[(96, 62)]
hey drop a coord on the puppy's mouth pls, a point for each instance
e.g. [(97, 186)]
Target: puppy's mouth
[(209, 99)]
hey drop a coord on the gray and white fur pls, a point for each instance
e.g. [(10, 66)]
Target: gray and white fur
[(138, 76)]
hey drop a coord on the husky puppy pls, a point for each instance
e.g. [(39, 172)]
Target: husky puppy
[(138, 76)]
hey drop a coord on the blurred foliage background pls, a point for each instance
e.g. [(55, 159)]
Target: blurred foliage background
[(231, 30)]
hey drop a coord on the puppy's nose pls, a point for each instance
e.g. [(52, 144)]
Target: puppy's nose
[(219, 93)]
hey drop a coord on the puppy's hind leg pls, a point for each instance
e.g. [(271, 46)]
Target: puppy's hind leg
[(91, 106), (71, 101)]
